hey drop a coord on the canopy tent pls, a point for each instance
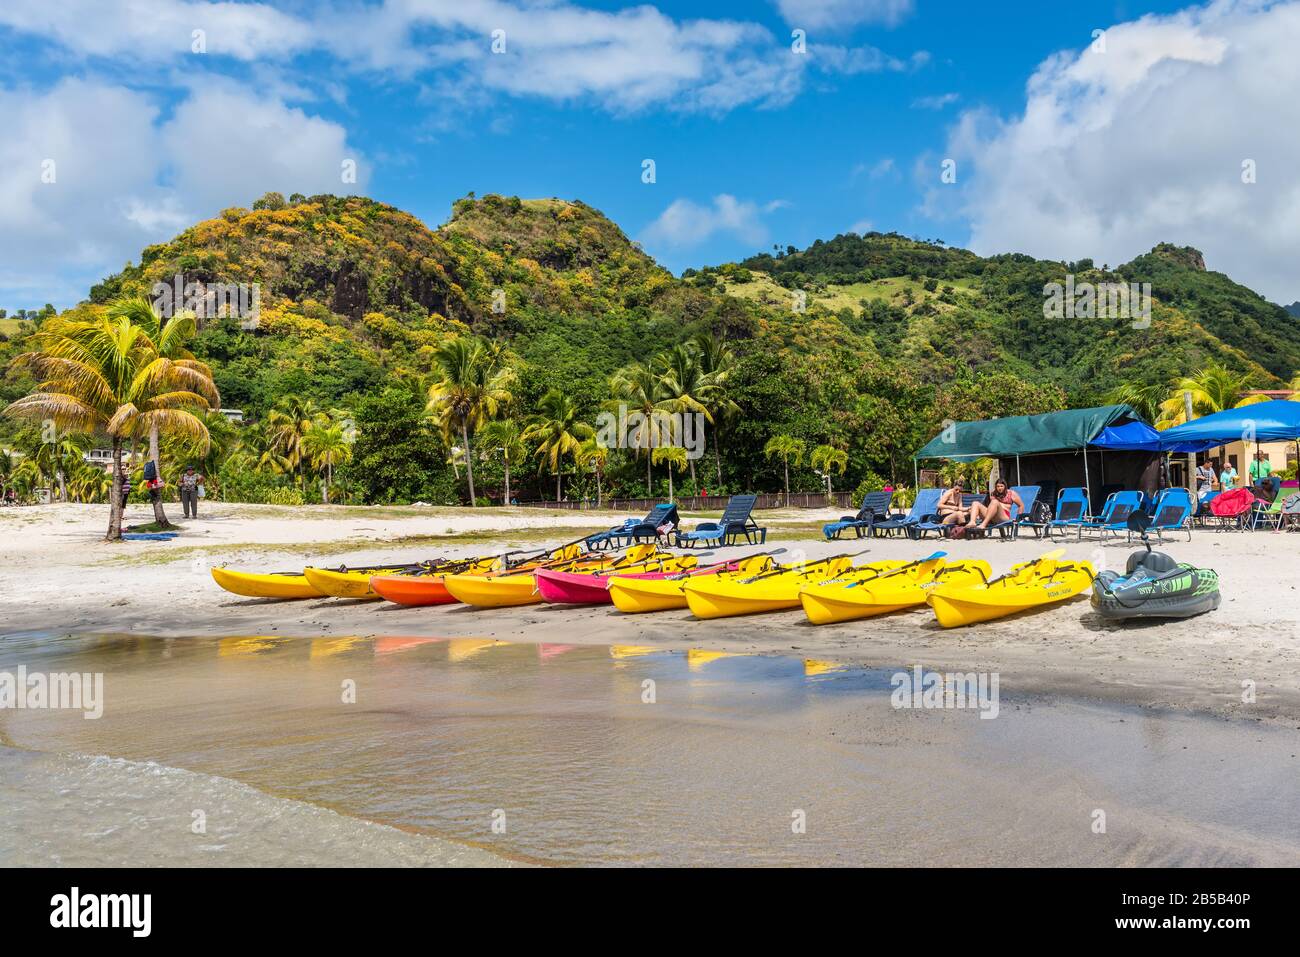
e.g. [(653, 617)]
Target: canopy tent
[(1025, 434), (1062, 448), (1277, 420)]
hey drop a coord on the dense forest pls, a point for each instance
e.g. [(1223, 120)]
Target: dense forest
[(381, 350)]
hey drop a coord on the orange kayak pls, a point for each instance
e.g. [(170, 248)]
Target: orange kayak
[(412, 589)]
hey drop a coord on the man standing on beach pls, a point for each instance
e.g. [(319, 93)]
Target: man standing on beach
[(191, 482)]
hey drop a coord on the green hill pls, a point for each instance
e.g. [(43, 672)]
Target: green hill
[(867, 342)]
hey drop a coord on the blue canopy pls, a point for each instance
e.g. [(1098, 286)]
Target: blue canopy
[(1275, 421), (1137, 436)]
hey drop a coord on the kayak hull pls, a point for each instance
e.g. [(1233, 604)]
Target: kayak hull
[(956, 606), (254, 585), (412, 590), (832, 602), (502, 591), (719, 596), (634, 596), (576, 588), (336, 584)]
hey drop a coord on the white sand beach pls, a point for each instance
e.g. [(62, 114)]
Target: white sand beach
[(58, 575)]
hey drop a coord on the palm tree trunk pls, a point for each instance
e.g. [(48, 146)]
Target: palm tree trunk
[(469, 463), (600, 492), (507, 501), (670, 483), (649, 481), (557, 482), (691, 463), (787, 482), (115, 496), (159, 516)]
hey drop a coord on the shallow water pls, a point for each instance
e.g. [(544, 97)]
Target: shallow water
[(560, 754)]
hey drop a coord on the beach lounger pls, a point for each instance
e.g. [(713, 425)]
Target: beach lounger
[(1203, 516), (1172, 512), (927, 500), (1071, 509), (1011, 527), (633, 530), (735, 523), (934, 523), (874, 508), (1114, 517)]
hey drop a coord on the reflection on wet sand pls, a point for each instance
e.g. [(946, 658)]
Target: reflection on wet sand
[(441, 732)]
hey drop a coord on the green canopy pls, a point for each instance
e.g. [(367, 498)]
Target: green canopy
[(1024, 434)]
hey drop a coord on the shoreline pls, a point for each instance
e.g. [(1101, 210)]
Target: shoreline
[(164, 589)]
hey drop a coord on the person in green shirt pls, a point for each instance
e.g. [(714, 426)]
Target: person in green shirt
[(1259, 468)]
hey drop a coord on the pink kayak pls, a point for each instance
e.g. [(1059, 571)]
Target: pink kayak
[(575, 588)]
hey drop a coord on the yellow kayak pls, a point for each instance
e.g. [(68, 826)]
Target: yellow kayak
[(255, 585), (1044, 581), (903, 587), (716, 596), (353, 583), (637, 595), (519, 586)]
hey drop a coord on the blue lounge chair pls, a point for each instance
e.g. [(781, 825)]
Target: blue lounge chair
[(1011, 527), (933, 523), (1172, 509), (735, 523), (1203, 513), (874, 508), (633, 530), (1071, 509), (927, 500), (1114, 517)]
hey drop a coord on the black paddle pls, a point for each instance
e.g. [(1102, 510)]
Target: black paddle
[(802, 567), (901, 568)]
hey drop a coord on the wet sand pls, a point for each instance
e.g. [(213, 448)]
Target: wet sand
[(472, 751), (165, 589)]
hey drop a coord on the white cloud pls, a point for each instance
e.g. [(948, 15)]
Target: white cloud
[(936, 102), (624, 60), (861, 227), (687, 223), (124, 178), (1144, 143), (842, 13)]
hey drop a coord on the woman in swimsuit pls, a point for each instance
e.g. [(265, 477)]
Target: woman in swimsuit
[(951, 509), (996, 506)]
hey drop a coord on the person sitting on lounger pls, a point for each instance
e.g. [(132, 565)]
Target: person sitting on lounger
[(996, 506), (951, 510)]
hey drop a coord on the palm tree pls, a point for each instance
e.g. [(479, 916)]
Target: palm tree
[(104, 375), (327, 445), (595, 456), (787, 447), (556, 431), (170, 338), (473, 384), (670, 455), (641, 388), (1146, 398), (1213, 389), (286, 426), (686, 385), (827, 459), (505, 436), (718, 365)]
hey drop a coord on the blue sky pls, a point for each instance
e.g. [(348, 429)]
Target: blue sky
[(1063, 148)]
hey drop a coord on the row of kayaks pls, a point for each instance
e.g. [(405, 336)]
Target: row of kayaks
[(645, 579)]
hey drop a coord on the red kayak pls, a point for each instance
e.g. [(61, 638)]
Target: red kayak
[(576, 588)]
